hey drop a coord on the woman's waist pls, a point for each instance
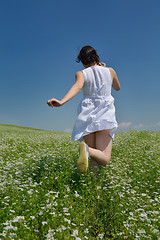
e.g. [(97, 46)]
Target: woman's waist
[(97, 96), (97, 99)]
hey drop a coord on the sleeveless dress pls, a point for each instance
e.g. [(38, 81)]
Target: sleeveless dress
[(96, 111)]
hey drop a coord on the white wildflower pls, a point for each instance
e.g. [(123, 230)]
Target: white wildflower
[(65, 209), (11, 210), (73, 224), (68, 189), (131, 213), (100, 235), (86, 230), (52, 213), (30, 192), (143, 194), (155, 231), (43, 223), (67, 220), (76, 194), (63, 228), (75, 233), (141, 231), (50, 234), (16, 219), (144, 215), (10, 227)]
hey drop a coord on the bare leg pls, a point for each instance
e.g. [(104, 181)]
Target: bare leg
[(101, 152)]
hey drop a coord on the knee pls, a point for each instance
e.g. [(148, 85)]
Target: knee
[(106, 160)]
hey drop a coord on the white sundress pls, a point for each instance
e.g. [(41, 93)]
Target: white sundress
[(96, 111)]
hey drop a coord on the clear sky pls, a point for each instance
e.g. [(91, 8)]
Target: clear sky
[(40, 40)]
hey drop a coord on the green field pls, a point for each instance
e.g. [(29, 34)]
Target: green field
[(44, 197)]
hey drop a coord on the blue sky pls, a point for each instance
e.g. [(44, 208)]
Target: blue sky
[(40, 41)]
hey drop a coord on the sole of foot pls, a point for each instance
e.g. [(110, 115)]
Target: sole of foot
[(82, 163)]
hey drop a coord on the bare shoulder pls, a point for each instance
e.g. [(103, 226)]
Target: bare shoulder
[(112, 71), (79, 74)]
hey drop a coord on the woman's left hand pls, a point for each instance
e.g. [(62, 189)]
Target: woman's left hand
[(54, 103)]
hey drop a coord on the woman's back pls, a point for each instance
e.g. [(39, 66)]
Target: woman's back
[(98, 81)]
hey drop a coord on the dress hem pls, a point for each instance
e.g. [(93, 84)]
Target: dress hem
[(86, 132)]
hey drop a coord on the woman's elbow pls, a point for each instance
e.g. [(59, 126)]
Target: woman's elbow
[(118, 88)]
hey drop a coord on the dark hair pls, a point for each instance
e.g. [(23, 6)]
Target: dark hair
[(88, 55)]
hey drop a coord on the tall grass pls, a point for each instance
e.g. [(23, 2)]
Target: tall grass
[(44, 197)]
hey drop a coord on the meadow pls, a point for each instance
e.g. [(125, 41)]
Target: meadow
[(44, 197)]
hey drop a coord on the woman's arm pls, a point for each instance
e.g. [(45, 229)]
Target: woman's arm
[(75, 89), (115, 81)]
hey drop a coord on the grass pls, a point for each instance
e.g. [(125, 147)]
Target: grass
[(44, 197)]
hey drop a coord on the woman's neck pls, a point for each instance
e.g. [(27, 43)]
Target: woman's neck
[(90, 65)]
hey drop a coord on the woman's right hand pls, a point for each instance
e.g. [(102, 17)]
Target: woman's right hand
[(54, 103)]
